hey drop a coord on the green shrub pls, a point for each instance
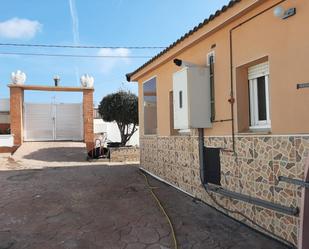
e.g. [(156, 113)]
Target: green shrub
[(121, 107)]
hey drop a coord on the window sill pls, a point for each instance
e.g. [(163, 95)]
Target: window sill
[(184, 132), (256, 132)]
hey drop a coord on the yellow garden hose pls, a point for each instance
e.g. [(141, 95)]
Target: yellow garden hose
[(162, 209)]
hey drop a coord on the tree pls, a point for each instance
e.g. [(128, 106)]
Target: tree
[(121, 107)]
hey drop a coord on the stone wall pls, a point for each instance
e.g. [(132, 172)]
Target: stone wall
[(254, 171), (124, 154)]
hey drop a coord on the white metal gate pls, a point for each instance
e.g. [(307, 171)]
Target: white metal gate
[(49, 122)]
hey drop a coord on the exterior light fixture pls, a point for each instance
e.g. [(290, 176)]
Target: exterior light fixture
[(182, 63), (18, 77), (56, 80), (86, 81), (280, 12)]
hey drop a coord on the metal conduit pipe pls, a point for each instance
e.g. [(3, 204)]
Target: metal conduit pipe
[(201, 153), (304, 184), (232, 98), (252, 200)]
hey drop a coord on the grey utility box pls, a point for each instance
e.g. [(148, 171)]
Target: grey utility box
[(191, 94)]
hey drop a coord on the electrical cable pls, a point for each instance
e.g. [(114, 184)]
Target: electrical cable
[(76, 55), (219, 205), (232, 98), (162, 209), (77, 46), (250, 220)]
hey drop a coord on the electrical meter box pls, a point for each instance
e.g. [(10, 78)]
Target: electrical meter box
[(191, 95)]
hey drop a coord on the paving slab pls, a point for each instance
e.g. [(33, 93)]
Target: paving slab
[(201, 226), (97, 206)]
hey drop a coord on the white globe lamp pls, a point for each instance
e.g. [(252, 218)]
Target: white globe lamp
[(279, 11)]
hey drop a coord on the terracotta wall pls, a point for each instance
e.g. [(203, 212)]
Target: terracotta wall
[(283, 42)]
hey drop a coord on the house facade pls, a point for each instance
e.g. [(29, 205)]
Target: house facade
[(4, 116), (253, 56)]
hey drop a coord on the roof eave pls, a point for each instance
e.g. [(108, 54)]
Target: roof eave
[(185, 36), (128, 76)]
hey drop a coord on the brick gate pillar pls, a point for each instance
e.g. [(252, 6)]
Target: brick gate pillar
[(88, 118), (16, 113)]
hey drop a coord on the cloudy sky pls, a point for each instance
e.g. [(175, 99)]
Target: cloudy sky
[(121, 23)]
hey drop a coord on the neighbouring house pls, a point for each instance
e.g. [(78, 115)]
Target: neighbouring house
[(109, 131), (6, 139), (237, 84), (4, 115)]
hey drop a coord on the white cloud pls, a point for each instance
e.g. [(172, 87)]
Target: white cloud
[(75, 31), (17, 28), (108, 64), (75, 22)]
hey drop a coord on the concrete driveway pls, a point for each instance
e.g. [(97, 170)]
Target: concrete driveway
[(39, 155), (99, 206), (43, 154)]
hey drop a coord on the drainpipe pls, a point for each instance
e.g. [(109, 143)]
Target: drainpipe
[(218, 189), (232, 98), (201, 154)]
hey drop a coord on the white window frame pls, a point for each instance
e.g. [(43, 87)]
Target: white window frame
[(255, 123)]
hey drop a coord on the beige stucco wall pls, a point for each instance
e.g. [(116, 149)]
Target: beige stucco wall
[(284, 42)]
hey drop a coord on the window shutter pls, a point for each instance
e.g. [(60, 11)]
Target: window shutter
[(258, 70)]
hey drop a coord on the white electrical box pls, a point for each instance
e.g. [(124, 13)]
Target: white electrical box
[(191, 94)]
